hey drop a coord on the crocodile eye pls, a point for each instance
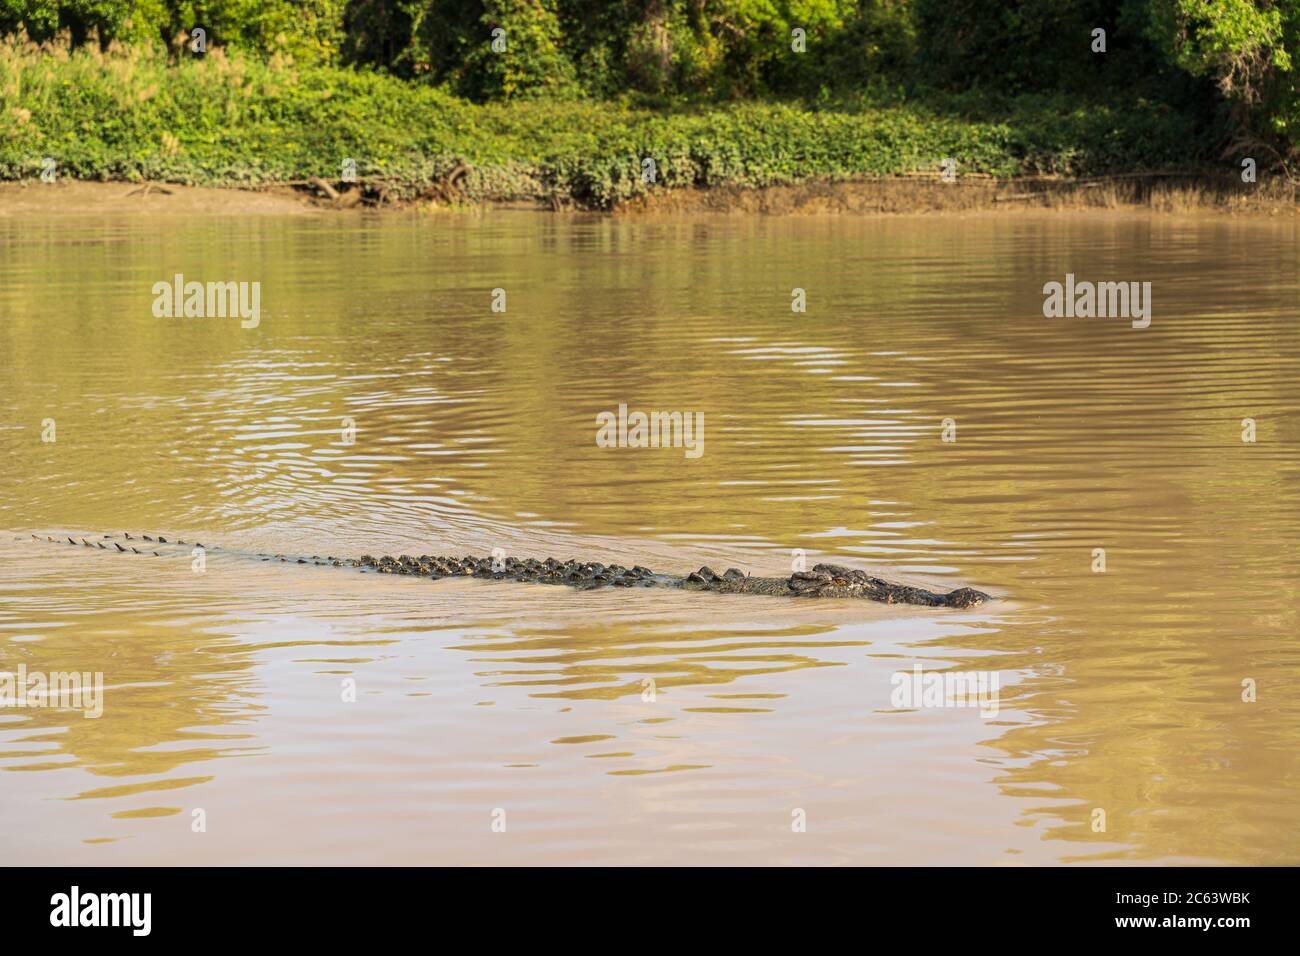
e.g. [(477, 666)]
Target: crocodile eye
[(841, 582)]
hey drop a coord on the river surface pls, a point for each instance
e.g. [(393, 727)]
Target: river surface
[(922, 419)]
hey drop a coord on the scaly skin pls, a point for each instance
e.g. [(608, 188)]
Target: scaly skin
[(824, 580)]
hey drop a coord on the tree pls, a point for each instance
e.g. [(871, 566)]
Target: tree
[(1236, 42)]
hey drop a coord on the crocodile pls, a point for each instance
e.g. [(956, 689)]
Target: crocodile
[(823, 581)]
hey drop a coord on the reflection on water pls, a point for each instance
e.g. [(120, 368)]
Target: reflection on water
[(315, 715)]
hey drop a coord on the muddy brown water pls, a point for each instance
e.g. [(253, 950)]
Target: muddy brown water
[(288, 714)]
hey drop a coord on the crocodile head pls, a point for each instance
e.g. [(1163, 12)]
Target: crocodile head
[(965, 597), (832, 580)]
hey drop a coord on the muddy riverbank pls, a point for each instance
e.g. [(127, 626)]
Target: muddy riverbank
[(889, 196)]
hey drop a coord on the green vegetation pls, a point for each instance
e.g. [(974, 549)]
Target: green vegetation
[(576, 94)]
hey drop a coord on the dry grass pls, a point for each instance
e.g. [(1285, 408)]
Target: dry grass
[(913, 194)]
